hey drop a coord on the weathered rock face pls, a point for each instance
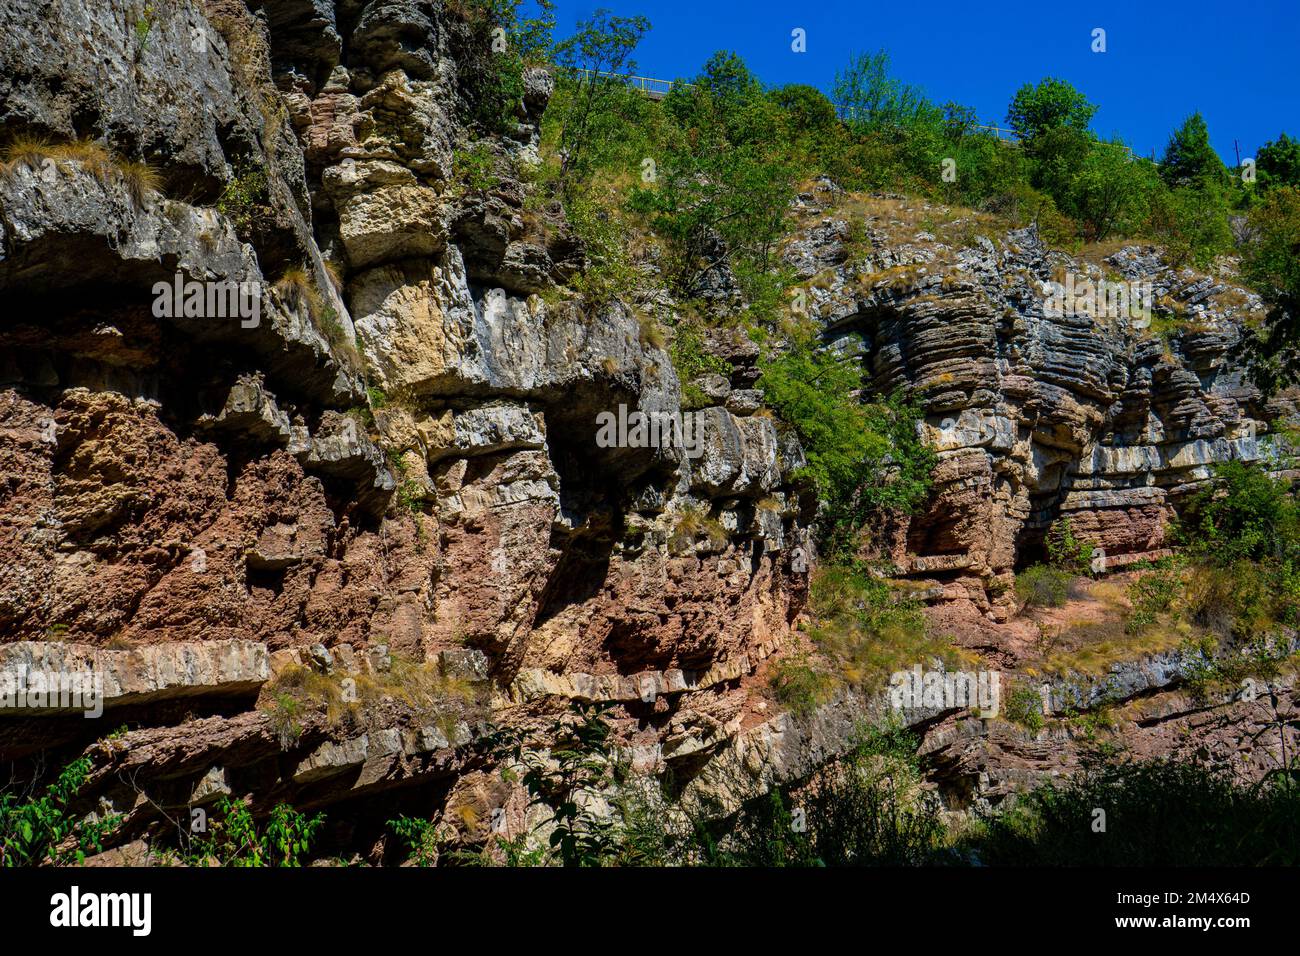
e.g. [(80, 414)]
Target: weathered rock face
[(1037, 412), (393, 456), (393, 461)]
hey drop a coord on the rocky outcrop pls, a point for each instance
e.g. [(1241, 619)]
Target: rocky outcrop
[(385, 455), (1038, 412), (388, 451)]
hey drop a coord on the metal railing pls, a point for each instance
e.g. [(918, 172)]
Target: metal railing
[(649, 85)]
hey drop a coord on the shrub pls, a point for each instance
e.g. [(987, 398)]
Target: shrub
[(866, 809), (1151, 595), (35, 830), (1245, 513), (1271, 262), (799, 685), (863, 459), (235, 839), (1067, 552), (1156, 813), (579, 763), (1024, 706), (420, 836), (1042, 585)]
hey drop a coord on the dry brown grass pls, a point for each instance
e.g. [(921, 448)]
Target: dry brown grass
[(296, 287), (25, 149), (139, 178), (420, 689)]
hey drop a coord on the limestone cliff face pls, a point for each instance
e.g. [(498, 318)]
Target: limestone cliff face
[(394, 462), (1037, 412), (396, 457)]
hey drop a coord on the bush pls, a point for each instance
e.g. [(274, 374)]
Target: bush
[(1067, 552), (1158, 813), (35, 830), (1151, 595), (235, 839), (1024, 706), (862, 459), (1041, 585), (1271, 261), (800, 686), (867, 809), (1244, 514)]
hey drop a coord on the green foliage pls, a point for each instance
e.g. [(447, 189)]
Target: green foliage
[(244, 196), (602, 44), (474, 168), (722, 187), (800, 686), (1245, 513), (561, 781), (1156, 813), (862, 458), (691, 359), (873, 100), (35, 830), (235, 839), (805, 107), (1048, 105), (866, 809), (502, 44), (1024, 706), (1042, 585), (1192, 222), (1271, 261), (1189, 158), (1278, 163), (1112, 192), (420, 837), (1151, 595), (1065, 551), (867, 630)]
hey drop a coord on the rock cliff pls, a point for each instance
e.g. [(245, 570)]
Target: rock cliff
[(387, 472)]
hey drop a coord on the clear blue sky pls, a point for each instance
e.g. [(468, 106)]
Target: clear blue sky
[(1237, 62)]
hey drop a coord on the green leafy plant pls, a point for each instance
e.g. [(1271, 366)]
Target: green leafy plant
[(235, 839), (1024, 706), (577, 764), (36, 830), (420, 836)]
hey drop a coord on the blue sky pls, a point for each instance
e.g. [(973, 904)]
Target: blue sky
[(1238, 63)]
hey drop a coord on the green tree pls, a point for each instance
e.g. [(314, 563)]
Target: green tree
[(874, 100), (599, 49), (1278, 163), (1047, 105), (1271, 261), (493, 78), (1192, 221), (862, 458), (1189, 158), (1245, 514), (1112, 191), (806, 107)]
